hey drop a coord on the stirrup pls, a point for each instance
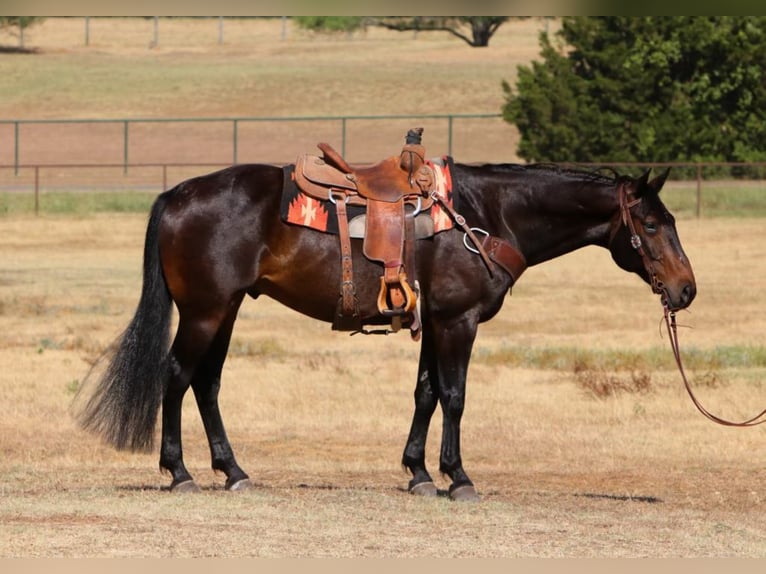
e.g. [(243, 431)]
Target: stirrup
[(410, 298)]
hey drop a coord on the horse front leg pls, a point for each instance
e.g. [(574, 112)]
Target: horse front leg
[(426, 398), (453, 345)]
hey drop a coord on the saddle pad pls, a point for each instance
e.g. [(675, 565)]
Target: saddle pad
[(300, 209)]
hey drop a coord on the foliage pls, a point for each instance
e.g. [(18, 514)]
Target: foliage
[(680, 88), (331, 23), (19, 22), (476, 31)]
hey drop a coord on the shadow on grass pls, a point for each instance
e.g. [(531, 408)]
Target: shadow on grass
[(620, 497), (17, 50)]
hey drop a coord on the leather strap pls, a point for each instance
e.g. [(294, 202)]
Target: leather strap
[(410, 264), (635, 239), (670, 321), (460, 220), (510, 259), (491, 248), (347, 313)]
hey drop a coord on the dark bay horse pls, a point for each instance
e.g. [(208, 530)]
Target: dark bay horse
[(214, 239)]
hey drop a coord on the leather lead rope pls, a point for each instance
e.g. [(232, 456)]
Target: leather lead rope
[(670, 321)]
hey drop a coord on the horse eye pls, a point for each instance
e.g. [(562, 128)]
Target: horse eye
[(650, 226)]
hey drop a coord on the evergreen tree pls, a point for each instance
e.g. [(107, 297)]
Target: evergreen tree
[(659, 88)]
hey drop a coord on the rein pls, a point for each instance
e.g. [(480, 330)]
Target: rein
[(670, 321), (670, 316)]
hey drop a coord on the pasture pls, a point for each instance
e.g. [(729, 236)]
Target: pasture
[(571, 456), (578, 432)]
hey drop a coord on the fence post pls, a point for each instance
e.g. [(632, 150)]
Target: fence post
[(235, 133), (449, 135), (16, 147), (220, 30), (125, 147), (37, 190), (343, 137), (87, 30), (699, 190)]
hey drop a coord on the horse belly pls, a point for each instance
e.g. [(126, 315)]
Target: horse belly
[(307, 277)]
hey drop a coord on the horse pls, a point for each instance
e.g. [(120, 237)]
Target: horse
[(214, 239)]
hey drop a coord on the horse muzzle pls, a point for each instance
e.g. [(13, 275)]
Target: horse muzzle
[(678, 297)]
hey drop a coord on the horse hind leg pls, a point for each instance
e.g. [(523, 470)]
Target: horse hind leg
[(193, 339), (206, 385)]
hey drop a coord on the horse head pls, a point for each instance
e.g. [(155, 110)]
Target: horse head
[(644, 240)]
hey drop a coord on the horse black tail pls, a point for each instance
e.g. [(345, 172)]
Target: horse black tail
[(124, 405)]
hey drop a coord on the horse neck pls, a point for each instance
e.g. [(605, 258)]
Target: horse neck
[(549, 215)]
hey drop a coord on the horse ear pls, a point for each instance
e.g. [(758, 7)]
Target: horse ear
[(657, 183), (640, 183)]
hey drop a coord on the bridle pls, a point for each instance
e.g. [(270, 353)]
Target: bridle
[(635, 240), (670, 316)]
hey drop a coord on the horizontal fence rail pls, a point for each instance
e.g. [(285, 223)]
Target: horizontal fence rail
[(234, 123), (157, 177), (151, 154)]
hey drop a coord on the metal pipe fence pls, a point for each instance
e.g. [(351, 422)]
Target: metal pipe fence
[(157, 177), (41, 155), (339, 126)]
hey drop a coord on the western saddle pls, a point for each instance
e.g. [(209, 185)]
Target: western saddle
[(393, 192)]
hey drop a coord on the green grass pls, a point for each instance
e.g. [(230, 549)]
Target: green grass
[(747, 200), (581, 359), (716, 202), (77, 203)]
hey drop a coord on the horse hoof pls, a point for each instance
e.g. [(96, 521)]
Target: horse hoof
[(465, 493), (240, 485), (185, 486), (424, 489)]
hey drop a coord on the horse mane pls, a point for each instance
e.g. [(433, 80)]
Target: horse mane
[(604, 174)]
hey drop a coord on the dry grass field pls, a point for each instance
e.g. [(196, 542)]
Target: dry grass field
[(563, 470), (572, 458)]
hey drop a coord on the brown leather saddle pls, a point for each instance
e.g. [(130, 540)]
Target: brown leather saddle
[(393, 191)]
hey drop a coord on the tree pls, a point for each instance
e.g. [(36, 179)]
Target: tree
[(19, 22), (681, 88), (476, 31), (346, 24)]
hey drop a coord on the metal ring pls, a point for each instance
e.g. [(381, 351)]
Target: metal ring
[(333, 200), (465, 238), (419, 207)]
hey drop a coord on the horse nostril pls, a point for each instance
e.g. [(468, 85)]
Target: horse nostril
[(687, 294)]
